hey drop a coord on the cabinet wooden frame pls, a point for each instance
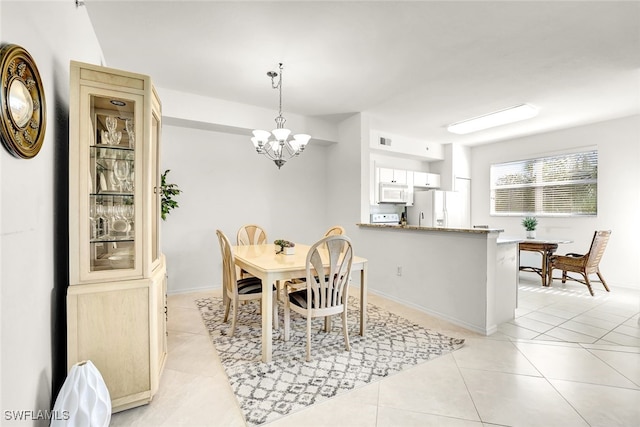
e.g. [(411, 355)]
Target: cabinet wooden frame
[(94, 81), (116, 310), (121, 328)]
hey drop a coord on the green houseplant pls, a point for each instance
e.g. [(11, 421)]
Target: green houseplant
[(168, 191), (530, 223), (286, 247)]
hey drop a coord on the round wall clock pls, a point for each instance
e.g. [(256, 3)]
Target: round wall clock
[(23, 117)]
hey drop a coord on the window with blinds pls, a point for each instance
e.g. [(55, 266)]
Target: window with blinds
[(562, 185)]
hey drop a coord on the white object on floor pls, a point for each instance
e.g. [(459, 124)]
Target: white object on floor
[(83, 400)]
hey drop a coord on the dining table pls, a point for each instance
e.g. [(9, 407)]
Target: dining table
[(272, 268), (546, 248)]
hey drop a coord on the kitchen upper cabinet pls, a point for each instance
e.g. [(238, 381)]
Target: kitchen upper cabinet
[(392, 176), (426, 180), (116, 296)]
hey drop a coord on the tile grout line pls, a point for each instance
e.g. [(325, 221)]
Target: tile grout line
[(466, 386), (637, 384), (551, 385)]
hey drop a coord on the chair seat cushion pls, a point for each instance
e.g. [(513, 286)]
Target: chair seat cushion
[(299, 298), (250, 285)]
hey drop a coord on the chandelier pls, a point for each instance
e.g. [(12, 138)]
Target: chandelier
[(280, 148)]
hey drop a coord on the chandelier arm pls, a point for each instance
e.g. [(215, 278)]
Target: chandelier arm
[(267, 151), (292, 151), (285, 154)]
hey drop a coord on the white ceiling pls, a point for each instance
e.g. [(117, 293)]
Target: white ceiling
[(414, 66)]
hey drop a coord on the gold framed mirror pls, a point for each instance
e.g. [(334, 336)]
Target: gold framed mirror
[(23, 115)]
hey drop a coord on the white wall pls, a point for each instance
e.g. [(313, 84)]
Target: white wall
[(33, 209), (225, 185), (226, 116), (344, 173), (618, 192), (431, 278)]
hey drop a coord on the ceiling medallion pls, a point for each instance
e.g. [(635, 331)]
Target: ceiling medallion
[(23, 115)]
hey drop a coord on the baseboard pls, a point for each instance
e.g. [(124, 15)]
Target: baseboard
[(190, 290), (439, 315)]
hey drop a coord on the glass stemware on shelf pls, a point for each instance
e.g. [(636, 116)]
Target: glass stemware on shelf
[(111, 136), (130, 182), (112, 218), (119, 223), (128, 213), (103, 221), (93, 220), (121, 172), (128, 125)]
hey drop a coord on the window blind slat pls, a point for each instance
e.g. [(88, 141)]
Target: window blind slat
[(557, 185)]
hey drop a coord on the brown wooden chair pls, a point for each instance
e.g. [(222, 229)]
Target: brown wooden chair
[(582, 264)]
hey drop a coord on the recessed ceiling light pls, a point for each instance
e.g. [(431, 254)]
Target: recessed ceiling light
[(497, 118), (118, 103)]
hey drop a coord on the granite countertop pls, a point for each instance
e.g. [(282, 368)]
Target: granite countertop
[(445, 229), (506, 240)]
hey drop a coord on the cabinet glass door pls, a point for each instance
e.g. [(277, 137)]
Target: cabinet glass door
[(112, 201), (155, 176)]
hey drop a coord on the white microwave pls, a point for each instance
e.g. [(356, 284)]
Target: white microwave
[(393, 193)]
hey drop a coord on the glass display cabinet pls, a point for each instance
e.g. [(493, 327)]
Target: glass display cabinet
[(116, 300)]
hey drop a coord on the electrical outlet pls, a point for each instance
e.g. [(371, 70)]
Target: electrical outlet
[(399, 272)]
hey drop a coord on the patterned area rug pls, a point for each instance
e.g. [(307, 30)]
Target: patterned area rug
[(289, 383)]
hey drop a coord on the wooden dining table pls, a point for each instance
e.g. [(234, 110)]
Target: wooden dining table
[(546, 248), (263, 262)]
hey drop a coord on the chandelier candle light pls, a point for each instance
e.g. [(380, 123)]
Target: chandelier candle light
[(279, 149)]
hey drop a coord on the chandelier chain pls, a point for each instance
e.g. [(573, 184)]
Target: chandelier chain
[(279, 87)]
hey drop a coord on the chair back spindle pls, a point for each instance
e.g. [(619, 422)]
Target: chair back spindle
[(329, 288), (251, 234)]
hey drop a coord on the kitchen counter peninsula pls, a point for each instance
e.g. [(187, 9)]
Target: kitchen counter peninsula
[(421, 228), (468, 276)]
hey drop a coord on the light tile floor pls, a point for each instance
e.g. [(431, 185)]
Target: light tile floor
[(568, 359)]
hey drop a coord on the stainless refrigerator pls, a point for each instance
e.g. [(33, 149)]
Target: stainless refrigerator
[(436, 208)]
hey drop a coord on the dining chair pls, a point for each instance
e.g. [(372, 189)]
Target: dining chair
[(251, 234), (299, 283), (336, 230), (326, 290), (238, 290), (584, 265)]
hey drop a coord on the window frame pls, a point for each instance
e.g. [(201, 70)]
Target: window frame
[(539, 185)]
